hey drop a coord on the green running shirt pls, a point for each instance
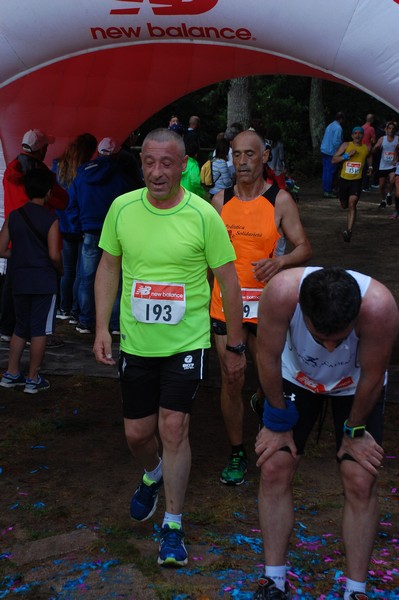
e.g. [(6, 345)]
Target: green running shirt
[(165, 257)]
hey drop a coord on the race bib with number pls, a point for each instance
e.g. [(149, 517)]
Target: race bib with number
[(388, 156), (322, 388), (154, 302), (353, 168), (250, 301)]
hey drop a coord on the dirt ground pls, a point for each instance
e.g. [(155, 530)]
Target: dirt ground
[(66, 474)]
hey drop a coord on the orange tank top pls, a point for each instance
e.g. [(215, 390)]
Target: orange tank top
[(254, 235)]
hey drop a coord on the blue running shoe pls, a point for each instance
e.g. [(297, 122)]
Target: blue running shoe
[(145, 499), (172, 551), (11, 381), (33, 386)]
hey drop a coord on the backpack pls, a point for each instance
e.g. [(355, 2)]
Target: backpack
[(206, 174)]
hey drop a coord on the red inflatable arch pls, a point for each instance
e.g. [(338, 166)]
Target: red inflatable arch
[(105, 66)]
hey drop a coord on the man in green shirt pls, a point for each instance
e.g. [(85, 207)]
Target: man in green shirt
[(164, 239)]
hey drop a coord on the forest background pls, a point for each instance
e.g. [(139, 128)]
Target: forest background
[(301, 106)]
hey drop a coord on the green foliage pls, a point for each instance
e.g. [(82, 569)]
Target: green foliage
[(355, 105), (281, 100), (209, 103)]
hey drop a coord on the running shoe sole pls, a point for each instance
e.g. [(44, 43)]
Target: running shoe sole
[(231, 482)]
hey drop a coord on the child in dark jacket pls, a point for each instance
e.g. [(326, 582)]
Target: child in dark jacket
[(35, 260)]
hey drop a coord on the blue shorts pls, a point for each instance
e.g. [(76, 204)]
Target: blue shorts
[(34, 314), (171, 382)]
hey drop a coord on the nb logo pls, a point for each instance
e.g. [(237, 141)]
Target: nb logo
[(167, 7), (144, 290)]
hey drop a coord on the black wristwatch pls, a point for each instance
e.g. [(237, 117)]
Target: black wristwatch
[(354, 432), (239, 349)]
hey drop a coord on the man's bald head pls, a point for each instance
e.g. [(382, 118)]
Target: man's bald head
[(252, 136)]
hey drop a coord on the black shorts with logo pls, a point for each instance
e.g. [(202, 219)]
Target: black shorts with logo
[(171, 382)]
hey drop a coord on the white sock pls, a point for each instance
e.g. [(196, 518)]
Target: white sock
[(169, 519), (354, 586), (278, 575), (156, 474)]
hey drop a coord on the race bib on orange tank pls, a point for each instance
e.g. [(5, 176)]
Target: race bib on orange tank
[(155, 302), (250, 302)]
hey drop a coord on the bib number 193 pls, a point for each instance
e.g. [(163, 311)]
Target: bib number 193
[(157, 312), (154, 302)]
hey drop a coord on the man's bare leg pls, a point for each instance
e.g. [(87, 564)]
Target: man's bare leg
[(276, 512), (231, 400), (233, 415), (176, 457), (360, 518), (143, 444), (142, 440)]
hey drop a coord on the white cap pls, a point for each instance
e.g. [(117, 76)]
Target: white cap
[(34, 140), (108, 146)]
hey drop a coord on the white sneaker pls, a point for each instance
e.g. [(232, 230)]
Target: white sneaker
[(83, 328), (61, 314)]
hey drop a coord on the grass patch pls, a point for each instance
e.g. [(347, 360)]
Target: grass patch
[(169, 592), (27, 433), (115, 539)]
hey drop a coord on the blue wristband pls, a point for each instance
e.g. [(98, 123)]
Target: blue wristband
[(345, 156), (280, 419)]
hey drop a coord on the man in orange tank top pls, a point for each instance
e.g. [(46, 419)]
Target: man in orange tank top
[(257, 215)]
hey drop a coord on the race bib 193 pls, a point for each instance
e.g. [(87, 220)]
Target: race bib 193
[(155, 302)]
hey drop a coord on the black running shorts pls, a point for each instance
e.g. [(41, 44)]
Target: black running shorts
[(310, 407), (347, 188), (171, 382), (385, 172)]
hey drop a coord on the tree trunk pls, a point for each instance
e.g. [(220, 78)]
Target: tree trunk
[(238, 102), (316, 114)]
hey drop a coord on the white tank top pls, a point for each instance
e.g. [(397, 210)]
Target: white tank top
[(309, 365), (387, 153)]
